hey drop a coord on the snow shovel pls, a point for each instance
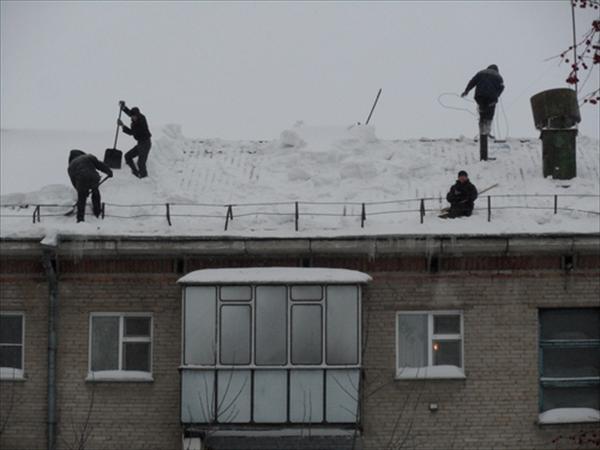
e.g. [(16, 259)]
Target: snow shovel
[(74, 207), (112, 156)]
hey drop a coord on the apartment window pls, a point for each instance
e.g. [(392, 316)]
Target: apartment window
[(12, 334), (120, 347), (429, 345), (569, 365), (271, 353)]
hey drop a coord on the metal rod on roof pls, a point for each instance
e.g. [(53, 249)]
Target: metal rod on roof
[(373, 108)]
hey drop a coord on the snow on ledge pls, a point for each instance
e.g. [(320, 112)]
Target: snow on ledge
[(275, 275), (119, 376), (569, 415), (10, 373), (430, 372)]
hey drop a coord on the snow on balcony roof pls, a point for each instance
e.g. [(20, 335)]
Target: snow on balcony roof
[(255, 275)]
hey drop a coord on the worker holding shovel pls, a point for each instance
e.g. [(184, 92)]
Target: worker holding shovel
[(85, 179), (140, 132)]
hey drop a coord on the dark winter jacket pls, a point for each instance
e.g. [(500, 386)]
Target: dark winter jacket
[(139, 127), (462, 195), (82, 170), (488, 85)]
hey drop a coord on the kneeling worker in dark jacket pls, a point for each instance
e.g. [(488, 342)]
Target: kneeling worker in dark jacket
[(84, 177), (461, 196)]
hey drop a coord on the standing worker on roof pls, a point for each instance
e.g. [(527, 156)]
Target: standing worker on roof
[(488, 86), (85, 179), (140, 132)]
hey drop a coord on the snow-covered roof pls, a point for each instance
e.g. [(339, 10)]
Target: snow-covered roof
[(330, 172), (255, 275)]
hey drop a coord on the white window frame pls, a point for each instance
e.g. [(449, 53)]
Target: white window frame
[(430, 371), (12, 373), (121, 375)]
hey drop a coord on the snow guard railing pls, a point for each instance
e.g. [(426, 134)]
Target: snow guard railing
[(293, 212)]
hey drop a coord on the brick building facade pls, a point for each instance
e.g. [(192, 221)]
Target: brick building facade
[(496, 286)]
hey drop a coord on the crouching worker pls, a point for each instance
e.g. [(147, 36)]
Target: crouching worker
[(85, 179), (461, 197)]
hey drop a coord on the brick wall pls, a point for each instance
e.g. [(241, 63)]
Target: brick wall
[(23, 404), (496, 406)]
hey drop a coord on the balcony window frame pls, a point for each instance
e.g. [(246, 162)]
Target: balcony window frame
[(326, 370)]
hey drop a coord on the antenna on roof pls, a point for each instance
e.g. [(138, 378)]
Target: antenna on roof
[(373, 108)]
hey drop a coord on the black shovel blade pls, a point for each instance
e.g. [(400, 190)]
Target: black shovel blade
[(112, 158)]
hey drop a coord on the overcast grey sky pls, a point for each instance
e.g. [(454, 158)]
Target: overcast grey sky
[(248, 70)]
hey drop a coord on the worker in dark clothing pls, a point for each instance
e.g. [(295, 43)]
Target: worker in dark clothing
[(85, 179), (488, 86), (140, 132), (461, 197)]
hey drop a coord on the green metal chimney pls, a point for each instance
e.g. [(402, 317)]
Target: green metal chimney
[(556, 115)]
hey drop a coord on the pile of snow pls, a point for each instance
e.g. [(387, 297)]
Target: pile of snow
[(321, 138), (329, 171)]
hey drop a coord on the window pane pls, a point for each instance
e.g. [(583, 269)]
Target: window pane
[(571, 362), (306, 396), (447, 353), (236, 293), (307, 292), (235, 335), (271, 325), (446, 324), (11, 329), (270, 396), (307, 333), (200, 325), (105, 343), (570, 324), (412, 340), (11, 356), (342, 325), (576, 397), (137, 326), (342, 396), (136, 356), (233, 405), (197, 396)]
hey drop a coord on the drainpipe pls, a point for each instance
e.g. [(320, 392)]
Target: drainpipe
[(48, 258)]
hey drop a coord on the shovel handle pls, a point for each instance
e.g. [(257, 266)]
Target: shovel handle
[(117, 131), (102, 181)]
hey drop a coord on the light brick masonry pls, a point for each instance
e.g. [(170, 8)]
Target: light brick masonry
[(494, 407)]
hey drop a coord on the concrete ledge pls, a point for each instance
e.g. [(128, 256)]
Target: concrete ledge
[(408, 246), (372, 246), (465, 246), (278, 247), (587, 245), (343, 246), (541, 245)]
